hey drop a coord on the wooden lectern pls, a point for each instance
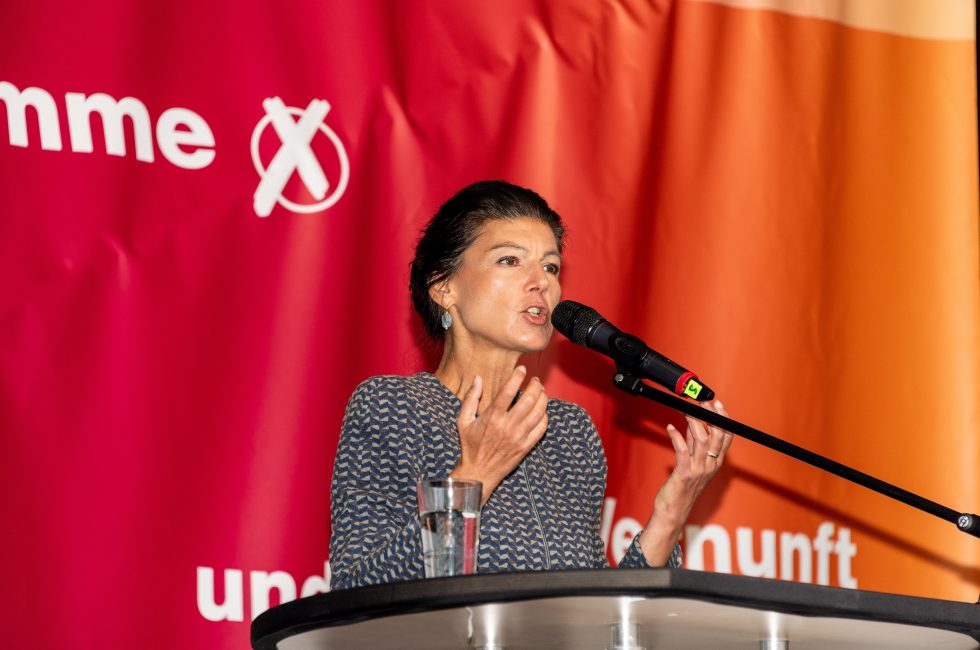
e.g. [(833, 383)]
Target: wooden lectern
[(615, 609)]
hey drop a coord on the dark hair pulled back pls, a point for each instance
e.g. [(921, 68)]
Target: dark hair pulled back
[(454, 228)]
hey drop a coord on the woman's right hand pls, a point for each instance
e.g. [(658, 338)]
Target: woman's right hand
[(494, 443)]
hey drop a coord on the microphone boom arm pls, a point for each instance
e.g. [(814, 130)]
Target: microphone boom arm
[(966, 522)]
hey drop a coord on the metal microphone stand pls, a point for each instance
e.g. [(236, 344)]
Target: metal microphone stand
[(966, 522)]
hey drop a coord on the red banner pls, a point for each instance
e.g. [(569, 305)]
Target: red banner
[(209, 210)]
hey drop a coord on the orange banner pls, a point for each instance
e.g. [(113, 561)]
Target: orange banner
[(810, 242)]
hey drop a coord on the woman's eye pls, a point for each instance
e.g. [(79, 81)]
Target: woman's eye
[(552, 268), (509, 260)]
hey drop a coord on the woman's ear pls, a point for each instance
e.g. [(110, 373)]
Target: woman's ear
[(441, 294)]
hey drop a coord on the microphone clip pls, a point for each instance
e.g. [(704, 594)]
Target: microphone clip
[(626, 382)]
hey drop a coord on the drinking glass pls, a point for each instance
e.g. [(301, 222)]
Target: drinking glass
[(449, 511)]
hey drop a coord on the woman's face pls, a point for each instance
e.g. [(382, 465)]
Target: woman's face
[(507, 286)]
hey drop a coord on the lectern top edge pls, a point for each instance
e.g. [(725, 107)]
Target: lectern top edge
[(378, 601)]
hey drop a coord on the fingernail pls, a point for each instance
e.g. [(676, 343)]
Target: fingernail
[(718, 404), (521, 369), (670, 427)]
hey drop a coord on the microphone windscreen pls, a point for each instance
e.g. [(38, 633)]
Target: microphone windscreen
[(574, 320)]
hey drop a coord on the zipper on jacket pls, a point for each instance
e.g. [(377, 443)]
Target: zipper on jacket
[(534, 511)]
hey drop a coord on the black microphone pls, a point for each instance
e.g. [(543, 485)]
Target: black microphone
[(584, 325)]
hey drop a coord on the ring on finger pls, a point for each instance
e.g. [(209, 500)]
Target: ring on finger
[(713, 454)]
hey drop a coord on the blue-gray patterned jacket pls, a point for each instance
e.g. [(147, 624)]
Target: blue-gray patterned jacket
[(544, 515)]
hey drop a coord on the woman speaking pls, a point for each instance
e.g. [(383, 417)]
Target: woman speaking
[(484, 281)]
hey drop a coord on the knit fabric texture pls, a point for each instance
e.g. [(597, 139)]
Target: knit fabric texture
[(545, 515)]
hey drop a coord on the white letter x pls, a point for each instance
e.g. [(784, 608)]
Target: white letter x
[(294, 154)]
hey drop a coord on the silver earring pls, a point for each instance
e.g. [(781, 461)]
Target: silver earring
[(446, 320)]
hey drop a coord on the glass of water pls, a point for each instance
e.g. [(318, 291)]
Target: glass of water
[(449, 511)]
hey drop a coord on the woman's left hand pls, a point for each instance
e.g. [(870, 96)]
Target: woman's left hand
[(700, 454)]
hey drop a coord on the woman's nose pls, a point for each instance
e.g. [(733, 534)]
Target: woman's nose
[(538, 278)]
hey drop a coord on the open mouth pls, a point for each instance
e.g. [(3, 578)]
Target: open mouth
[(537, 315)]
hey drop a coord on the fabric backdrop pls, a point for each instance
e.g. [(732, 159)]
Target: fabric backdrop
[(208, 210)]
